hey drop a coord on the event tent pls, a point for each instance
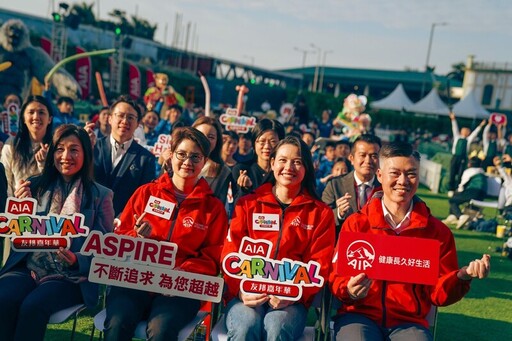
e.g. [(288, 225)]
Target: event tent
[(396, 100), (430, 104), (468, 107)]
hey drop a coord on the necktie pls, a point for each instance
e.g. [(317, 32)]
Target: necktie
[(362, 195), (119, 146)]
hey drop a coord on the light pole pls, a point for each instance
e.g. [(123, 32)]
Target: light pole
[(323, 70), (317, 67), (304, 55), (431, 37)]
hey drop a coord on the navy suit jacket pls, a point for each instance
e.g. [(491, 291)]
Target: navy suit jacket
[(336, 188), (99, 216), (136, 168)]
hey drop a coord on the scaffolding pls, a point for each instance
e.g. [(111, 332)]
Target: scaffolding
[(116, 66), (59, 41)]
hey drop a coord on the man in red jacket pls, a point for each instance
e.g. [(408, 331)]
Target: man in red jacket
[(385, 310)]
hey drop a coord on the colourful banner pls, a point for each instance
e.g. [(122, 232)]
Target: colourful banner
[(134, 79), (46, 45), (83, 73), (388, 258), (150, 78)]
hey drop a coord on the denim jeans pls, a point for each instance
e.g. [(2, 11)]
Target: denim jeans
[(263, 322), (358, 327)]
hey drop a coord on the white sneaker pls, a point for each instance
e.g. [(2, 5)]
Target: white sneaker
[(450, 194), (463, 219), (451, 219)]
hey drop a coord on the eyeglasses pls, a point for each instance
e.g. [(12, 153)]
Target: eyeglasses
[(129, 118), (262, 143), (195, 158)]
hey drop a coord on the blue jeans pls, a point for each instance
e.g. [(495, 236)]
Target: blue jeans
[(357, 327), (263, 322), (26, 307), (166, 315)]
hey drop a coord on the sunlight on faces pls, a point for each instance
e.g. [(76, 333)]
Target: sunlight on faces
[(265, 143), (399, 177), (12, 99), (150, 120), (186, 169), (342, 150), (173, 114), (464, 132), (36, 118), (229, 145), (103, 117), (365, 159), (308, 139), (69, 157), (339, 168), (210, 133), (123, 129), (288, 168)]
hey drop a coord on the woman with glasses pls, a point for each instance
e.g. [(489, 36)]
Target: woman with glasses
[(197, 224), (303, 232), (216, 173), (34, 285), (265, 136)]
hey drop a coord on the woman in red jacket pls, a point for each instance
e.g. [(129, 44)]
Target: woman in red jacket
[(304, 232), (197, 224)]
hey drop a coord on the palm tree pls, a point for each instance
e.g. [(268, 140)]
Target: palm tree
[(86, 13), (142, 28)]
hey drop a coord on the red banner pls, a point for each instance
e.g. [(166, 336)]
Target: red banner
[(83, 73), (150, 79), (134, 74), (46, 45), (388, 258)]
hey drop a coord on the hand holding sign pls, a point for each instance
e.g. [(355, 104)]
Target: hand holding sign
[(479, 268), (66, 257), (253, 300), (358, 286), (142, 227), (23, 190), (277, 303)]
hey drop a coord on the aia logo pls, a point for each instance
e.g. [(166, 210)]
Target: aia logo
[(360, 255), (295, 222), (188, 222)]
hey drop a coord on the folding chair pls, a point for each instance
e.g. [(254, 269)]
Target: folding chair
[(64, 314), (140, 330)]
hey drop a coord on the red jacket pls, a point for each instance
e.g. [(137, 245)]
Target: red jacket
[(391, 303), (306, 232), (198, 225)]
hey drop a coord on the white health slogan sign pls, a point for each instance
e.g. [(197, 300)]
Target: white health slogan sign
[(146, 264), (261, 274), (32, 232)]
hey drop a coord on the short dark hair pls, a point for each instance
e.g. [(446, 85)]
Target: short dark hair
[(474, 162), (345, 142), (231, 134), (189, 133), (395, 149), (65, 99), (367, 138), (126, 99), (267, 124)]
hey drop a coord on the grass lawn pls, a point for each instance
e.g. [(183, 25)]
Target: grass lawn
[(484, 314)]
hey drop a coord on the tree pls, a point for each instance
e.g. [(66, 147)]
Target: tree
[(142, 28), (85, 12)]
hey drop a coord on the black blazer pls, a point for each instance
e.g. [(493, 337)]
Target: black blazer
[(336, 188), (136, 168)]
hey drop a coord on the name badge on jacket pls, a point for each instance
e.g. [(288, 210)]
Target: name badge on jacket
[(265, 222), (159, 207)]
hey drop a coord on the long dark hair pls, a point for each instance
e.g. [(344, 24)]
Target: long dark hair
[(50, 173), (215, 154), (309, 181), (22, 142)]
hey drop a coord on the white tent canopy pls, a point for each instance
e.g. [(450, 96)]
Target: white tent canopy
[(430, 104), (468, 107), (397, 100)]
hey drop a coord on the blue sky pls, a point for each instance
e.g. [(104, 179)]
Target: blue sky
[(376, 34)]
